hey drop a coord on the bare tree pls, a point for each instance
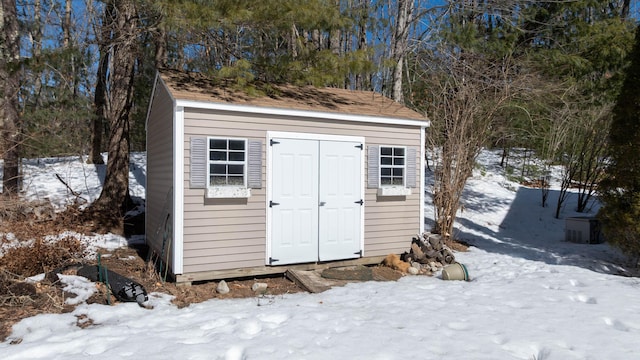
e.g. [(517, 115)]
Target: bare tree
[(9, 87), (103, 32), (123, 46), (582, 153), (465, 92), (404, 18)]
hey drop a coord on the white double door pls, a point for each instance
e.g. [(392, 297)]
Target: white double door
[(316, 200)]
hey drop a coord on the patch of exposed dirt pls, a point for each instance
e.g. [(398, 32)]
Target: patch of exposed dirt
[(130, 262), (457, 245)]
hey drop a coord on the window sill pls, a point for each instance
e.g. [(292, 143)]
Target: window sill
[(394, 191), (228, 192)]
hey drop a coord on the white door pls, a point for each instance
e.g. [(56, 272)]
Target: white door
[(340, 200), (315, 200), (294, 201)]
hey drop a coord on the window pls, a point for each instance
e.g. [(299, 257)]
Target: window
[(227, 162), (391, 169), (392, 166)]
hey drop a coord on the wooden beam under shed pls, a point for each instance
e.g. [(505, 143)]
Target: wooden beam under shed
[(186, 279)]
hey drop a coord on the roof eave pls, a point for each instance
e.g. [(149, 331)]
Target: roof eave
[(301, 113)]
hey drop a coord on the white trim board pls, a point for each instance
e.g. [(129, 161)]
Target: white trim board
[(301, 113), (421, 176), (178, 186)]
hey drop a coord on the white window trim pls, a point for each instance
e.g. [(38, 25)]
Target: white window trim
[(393, 190), (228, 191)]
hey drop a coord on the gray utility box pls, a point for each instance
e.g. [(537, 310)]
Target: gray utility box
[(583, 230)]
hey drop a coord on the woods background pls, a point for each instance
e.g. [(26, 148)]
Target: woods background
[(76, 75)]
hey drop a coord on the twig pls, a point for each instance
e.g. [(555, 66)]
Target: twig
[(74, 193)]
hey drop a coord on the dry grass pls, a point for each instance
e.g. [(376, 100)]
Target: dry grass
[(43, 256)]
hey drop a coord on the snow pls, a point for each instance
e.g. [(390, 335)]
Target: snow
[(531, 296)]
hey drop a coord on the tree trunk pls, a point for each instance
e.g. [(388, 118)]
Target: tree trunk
[(114, 198), (37, 30), (400, 45), (100, 104), (66, 26), (9, 81), (362, 41), (624, 13), (100, 96), (160, 40)]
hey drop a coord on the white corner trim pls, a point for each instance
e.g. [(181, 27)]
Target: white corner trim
[(228, 192), (394, 191), (363, 187), (420, 174), (301, 113), (178, 193), (269, 194)]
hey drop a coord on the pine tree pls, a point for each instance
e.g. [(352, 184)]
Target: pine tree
[(620, 190)]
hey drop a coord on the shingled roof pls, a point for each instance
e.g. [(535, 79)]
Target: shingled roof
[(197, 87)]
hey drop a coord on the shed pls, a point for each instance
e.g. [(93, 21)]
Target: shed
[(583, 230), (242, 184)]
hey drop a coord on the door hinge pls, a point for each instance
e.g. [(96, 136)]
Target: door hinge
[(358, 253), (273, 142), (272, 260), (272, 204), (361, 202), (361, 147)]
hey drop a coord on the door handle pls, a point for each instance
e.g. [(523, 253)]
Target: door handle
[(322, 203)]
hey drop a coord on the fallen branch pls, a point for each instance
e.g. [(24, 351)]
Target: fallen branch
[(74, 193)]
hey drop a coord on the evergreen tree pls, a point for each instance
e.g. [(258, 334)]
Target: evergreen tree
[(620, 191)]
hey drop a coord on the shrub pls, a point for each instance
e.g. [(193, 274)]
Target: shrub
[(41, 256), (620, 222)]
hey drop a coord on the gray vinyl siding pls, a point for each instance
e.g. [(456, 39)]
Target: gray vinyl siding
[(159, 167), (233, 235)]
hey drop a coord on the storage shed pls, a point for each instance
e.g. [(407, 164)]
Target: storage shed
[(257, 181)]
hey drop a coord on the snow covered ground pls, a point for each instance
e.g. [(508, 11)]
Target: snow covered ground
[(531, 296)]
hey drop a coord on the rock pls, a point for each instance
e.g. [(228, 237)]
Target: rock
[(419, 254), (413, 271), (222, 287), (259, 287), (434, 266), (416, 265), (383, 273), (436, 241)]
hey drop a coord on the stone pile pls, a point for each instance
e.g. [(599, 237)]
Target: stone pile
[(429, 250)]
